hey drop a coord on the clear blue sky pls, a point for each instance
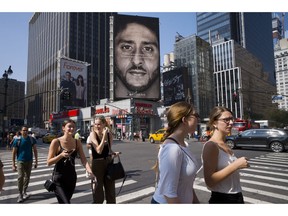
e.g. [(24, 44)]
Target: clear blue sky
[(14, 36)]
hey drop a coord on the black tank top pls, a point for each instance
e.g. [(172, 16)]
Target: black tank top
[(105, 152), (66, 166)]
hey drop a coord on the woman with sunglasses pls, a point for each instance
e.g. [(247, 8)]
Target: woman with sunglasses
[(176, 166), (220, 166), (62, 153)]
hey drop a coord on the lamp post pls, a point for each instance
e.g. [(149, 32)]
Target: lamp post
[(5, 77)]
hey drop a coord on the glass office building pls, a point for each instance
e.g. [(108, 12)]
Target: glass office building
[(196, 54), (252, 31), (80, 36)]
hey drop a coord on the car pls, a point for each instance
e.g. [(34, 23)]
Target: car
[(47, 138), (274, 139), (157, 136)]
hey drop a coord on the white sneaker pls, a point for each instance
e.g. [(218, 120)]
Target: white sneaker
[(20, 198), (26, 196)]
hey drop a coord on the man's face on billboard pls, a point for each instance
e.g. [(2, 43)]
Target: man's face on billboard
[(137, 57), (68, 76)]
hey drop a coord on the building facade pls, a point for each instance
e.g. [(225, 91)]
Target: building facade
[(80, 36), (253, 31), (196, 54), (15, 98), (281, 61), (240, 82)]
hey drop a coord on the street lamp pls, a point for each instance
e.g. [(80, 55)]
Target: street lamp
[(5, 77)]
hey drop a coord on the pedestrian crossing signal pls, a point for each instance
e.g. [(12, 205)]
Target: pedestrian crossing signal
[(235, 97), (66, 95)]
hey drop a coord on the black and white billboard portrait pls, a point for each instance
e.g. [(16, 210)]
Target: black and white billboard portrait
[(175, 85), (136, 57)]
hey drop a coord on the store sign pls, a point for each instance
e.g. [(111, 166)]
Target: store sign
[(144, 108)]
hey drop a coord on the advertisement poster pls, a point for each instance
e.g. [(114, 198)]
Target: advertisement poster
[(136, 57), (175, 85), (73, 79)]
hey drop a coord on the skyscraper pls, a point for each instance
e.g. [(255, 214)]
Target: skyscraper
[(80, 36), (253, 31), (196, 54)]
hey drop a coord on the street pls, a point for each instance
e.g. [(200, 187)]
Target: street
[(266, 181)]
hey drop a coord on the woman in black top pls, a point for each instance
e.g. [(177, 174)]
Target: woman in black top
[(62, 153), (101, 141)]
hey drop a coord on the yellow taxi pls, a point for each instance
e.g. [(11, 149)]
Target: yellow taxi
[(157, 136), (47, 138)]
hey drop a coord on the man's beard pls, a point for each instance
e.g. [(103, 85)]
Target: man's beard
[(136, 89)]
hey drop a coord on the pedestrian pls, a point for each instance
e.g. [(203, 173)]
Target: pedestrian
[(102, 139), (10, 141), (62, 153), (78, 135), (176, 166), (23, 149), (220, 165), (2, 176)]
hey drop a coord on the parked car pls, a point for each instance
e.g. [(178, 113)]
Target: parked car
[(274, 139), (157, 136), (47, 138)]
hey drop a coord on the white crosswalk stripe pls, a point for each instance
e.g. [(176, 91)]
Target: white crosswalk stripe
[(264, 181)]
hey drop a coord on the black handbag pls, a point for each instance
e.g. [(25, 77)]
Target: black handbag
[(115, 170), (49, 185)]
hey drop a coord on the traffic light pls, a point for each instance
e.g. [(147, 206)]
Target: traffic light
[(66, 95), (235, 97)]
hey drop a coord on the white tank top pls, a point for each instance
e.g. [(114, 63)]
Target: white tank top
[(231, 184)]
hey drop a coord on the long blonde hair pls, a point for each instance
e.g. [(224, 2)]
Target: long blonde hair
[(174, 117), (103, 121)]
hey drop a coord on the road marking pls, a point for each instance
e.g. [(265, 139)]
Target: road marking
[(270, 164), (135, 195), (275, 163), (79, 194), (265, 193), (264, 184), (266, 172)]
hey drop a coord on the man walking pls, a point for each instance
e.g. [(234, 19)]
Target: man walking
[(23, 149)]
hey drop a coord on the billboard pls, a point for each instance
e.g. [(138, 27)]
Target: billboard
[(136, 57), (73, 77), (175, 85)]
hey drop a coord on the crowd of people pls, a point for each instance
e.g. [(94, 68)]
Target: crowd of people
[(176, 166)]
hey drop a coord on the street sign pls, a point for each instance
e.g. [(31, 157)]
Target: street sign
[(276, 98)]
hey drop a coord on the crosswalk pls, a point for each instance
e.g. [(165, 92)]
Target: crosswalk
[(266, 181), (82, 193)]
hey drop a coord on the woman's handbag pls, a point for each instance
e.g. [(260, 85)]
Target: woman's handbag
[(49, 185), (115, 170)]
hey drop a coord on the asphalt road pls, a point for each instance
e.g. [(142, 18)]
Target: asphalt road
[(266, 181)]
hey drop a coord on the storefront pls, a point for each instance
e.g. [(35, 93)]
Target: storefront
[(126, 117)]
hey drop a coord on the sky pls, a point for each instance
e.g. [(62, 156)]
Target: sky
[(173, 18), (14, 41)]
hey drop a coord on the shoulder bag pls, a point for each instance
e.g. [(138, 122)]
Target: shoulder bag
[(116, 170)]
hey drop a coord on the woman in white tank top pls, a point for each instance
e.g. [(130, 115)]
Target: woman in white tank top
[(220, 166)]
